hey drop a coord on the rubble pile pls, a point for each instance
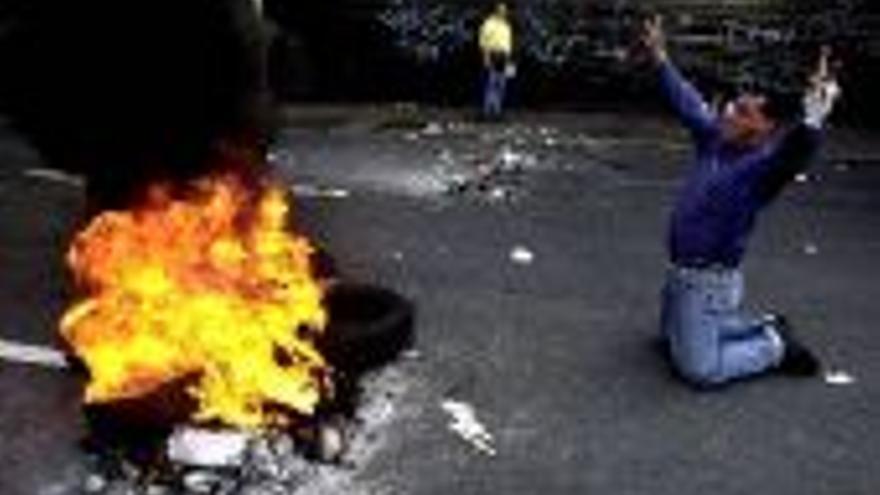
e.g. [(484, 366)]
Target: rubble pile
[(200, 461)]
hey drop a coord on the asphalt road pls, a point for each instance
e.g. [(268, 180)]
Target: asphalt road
[(554, 351)]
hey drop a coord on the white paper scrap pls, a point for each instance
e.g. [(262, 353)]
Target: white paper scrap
[(839, 378), (466, 425), (522, 255)]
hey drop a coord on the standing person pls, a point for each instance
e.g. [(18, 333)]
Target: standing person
[(496, 47), (745, 156)]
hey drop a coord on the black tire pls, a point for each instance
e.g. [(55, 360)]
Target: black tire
[(369, 327)]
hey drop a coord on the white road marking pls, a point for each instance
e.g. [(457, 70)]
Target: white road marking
[(46, 357)]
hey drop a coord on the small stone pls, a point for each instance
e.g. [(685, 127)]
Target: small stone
[(411, 355), (283, 445), (432, 129), (811, 250), (498, 193), (119, 488), (157, 490), (204, 448), (331, 441), (94, 483), (201, 482)]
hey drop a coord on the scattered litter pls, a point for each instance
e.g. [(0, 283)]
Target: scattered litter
[(331, 442), (446, 157), (509, 158), (202, 482), (32, 354), (522, 256), (485, 170), (310, 191), (466, 425), (57, 176), (205, 448), (498, 193), (432, 129), (279, 156), (839, 378), (811, 249), (94, 484), (457, 183), (411, 355)]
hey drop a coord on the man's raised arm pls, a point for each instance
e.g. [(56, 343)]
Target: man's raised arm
[(800, 144), (688, 104)]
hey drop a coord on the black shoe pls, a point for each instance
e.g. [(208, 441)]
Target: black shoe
[(797, 359)]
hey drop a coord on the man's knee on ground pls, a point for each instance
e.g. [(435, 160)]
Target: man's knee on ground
[(701, 374)]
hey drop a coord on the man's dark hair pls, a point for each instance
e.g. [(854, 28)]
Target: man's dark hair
[(782, 104)]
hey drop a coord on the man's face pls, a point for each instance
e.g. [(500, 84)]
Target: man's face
[(745, 122)]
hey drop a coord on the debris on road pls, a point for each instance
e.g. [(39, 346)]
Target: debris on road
[(498, 193), (311, 191), (811, 249), (514, 161), (466, 425), (332, 441), (802, 178), (839, 378), (433, 129), (205, 448), (522, 255), (411, 355), (202, 482), (94, 483), (32, 354)]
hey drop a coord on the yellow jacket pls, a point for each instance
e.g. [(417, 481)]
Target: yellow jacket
[(496, 35)]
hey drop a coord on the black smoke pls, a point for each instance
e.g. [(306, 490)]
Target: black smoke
[(130, 91)]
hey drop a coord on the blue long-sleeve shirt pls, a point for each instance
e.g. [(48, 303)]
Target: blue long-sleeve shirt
[(727, 186)]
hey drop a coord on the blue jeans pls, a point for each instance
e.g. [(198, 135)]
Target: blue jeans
[(495, 88), (711, 339)]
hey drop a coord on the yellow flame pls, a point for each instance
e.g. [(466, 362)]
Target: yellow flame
[(213, 284)]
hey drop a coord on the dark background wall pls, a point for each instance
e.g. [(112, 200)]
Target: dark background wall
[(130, 91), (571, 53), (137, 82)]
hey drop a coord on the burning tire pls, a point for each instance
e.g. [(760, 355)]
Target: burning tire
[(369, 327)]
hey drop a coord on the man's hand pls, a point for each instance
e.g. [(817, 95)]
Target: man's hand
[(654, 39), (822, 91)]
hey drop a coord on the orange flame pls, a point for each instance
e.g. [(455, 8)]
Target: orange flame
[(212, 284)]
